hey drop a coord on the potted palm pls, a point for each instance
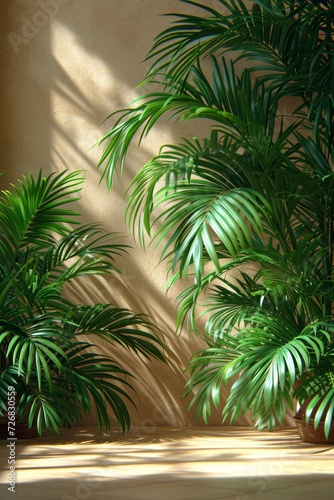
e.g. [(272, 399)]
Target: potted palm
[(247, 210), (51, 370)]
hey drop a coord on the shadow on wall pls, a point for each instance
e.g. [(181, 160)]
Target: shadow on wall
[(66, 65), (24, 136)]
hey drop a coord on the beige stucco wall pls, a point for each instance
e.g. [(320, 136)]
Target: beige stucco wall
[(66, 64)]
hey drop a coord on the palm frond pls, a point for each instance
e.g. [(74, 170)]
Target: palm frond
[(58, 378), (35, 210), (116, 325), (257, 190)]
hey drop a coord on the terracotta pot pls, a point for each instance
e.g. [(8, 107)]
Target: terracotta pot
[(309, 434)]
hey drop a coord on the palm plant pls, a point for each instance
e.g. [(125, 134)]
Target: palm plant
[(248, 210), (46, 355)]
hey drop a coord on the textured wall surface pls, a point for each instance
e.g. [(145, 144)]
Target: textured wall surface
[(67, 64)]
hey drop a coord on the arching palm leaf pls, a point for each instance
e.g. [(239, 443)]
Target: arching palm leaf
[(54, 374), (258, 190)]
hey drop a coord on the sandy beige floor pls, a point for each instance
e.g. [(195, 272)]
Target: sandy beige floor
[(168, 463)]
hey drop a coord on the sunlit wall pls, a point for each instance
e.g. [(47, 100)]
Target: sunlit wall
[(67, 64)]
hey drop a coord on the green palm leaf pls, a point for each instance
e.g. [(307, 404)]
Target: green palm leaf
[(58, 378), (257, 190), (35, 210)]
